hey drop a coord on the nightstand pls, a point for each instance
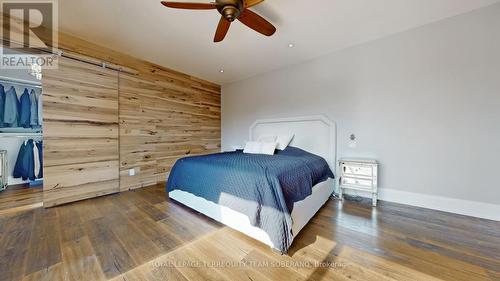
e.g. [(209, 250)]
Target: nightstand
[(360, 175)]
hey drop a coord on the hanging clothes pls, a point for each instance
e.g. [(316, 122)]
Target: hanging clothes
[(39, 145), (11, 108), (25, 110), (36, 160), (25, 164), (39, 111), (33, 109), (2, 104)]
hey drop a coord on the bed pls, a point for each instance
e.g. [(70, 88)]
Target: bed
[(269, 198)]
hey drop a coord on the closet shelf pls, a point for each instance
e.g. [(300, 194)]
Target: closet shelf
[(20, 135), (20, 131)]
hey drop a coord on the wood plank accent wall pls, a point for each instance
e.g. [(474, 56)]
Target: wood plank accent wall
[(161, 122), (163, 115), (80, 112)]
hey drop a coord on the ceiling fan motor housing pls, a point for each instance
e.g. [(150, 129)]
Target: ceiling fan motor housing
[(230, 9)]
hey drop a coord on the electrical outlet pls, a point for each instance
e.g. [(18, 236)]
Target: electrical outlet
[(131, 172)]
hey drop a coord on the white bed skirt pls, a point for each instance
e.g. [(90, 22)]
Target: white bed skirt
[(302, 212)]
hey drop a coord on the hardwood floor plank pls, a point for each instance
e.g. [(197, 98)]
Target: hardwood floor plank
[(18, 198), (461, 238), (141, 248), (146, 207), (54, 272), (196, 221), (80, 261), (14, 244), (164, 240), (112, 255), (325, 254), (71, 221), (256, 258), (3, 220), (494, 275), (143, 235), (385, 266), (44, 249), (196, 272), (456, 248), (152, 274), (477, 248), (425, 261), (151, 197), (13, 228), (157, 269), (455, 221), (224, 260), (87, 210)]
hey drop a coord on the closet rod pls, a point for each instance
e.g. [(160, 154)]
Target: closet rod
[(20, 82)]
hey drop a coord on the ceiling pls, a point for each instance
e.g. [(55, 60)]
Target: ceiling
[(182, 40)]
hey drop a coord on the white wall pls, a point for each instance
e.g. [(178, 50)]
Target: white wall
[(425, 103)]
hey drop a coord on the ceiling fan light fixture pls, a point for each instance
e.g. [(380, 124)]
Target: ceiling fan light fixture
[(230, 11)]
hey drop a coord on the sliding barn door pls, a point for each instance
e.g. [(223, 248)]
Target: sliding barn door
[(80, 113)]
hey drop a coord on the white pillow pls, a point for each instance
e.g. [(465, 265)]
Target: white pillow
[(267, 139), (284, 140), (252, 147), (255, 147), (268, 148)]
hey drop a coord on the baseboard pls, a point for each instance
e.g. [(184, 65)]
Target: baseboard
[(451, 205)]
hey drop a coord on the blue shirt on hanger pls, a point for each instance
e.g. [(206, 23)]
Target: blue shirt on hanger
[(34, 109), (2, 104), (25, 165), (11, 109), (25, 110)]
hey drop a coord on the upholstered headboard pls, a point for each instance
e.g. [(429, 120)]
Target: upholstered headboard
[(315, 134)]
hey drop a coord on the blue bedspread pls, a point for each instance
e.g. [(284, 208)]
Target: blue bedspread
[(263, 187)]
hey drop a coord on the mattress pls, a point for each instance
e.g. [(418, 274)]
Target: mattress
[(302, 212)]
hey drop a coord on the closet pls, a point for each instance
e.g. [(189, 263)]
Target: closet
[(21, 136)]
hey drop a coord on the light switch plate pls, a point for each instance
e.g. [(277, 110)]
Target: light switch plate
[(353, 144), (131, 172)]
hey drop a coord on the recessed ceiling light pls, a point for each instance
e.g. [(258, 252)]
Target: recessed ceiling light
[(221, 71), (291, 45)]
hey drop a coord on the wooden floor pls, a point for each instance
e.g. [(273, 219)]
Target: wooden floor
[(20, 197), (141, 235)]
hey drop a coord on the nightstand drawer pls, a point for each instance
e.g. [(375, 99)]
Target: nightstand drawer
[(356, 181), (358, 170), (360, 175)]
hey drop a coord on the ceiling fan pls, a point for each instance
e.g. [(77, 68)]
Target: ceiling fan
[(230, 11)]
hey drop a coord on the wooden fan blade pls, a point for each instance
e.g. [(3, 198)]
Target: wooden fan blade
[(222, 29), (189, 5), (257, 23), (251, 3)]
